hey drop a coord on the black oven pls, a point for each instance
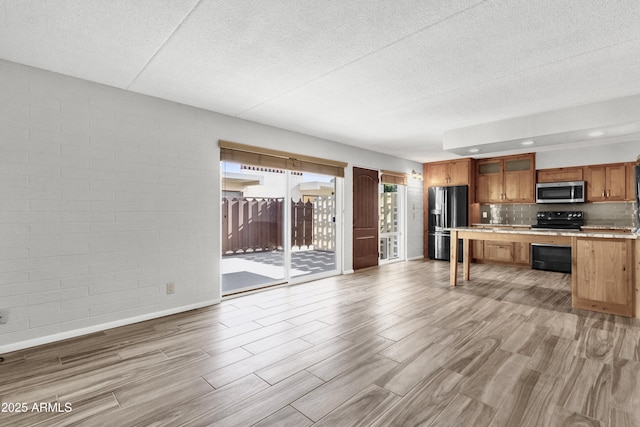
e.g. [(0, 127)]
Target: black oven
[(551, 257), (560, 192), (555, 257)]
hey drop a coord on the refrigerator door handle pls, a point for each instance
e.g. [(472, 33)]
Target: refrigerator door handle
[(445, 207)]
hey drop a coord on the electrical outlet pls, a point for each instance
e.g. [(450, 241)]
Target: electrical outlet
[(4, 316), (484, 215), (171, 287)]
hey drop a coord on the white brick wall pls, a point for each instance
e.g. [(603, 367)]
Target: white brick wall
[(107, 195)]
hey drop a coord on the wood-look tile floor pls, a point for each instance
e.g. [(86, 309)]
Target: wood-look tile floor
[(388, 346)]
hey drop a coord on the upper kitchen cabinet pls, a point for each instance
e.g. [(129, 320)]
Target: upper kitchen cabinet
[(450, 172), (606, 183), (489, 181), (560, 175), (631, 181), (509, 179)]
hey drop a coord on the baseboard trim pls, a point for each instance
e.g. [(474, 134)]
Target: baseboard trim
[(102, 327), (415, 258), (348, 272)]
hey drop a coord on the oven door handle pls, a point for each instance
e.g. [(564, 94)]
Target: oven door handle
[(551, 244)]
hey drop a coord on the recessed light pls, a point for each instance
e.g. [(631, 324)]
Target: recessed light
[(474, 150), (596, 133), (529, 142)]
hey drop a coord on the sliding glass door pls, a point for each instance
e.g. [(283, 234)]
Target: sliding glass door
[(313, 225), (253, 218), (278, 226)]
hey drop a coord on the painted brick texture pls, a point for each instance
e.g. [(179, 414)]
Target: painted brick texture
[(105, 196)]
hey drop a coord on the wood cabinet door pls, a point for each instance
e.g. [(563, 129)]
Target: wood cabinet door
[(602, 278), (489, 181), (437, 174), (459, 172), (365, 218), (519, 179), (616, 177), (560, 175), (518, 187), (596, 178), (498, 251), (522, 253), (631, 181), (478, 249)]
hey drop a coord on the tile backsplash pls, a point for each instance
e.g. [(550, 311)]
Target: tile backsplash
[(620, 214)]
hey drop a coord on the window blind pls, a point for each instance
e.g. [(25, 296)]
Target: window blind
[(391, 177), (260, 156)]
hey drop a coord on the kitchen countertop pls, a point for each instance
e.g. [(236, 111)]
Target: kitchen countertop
[(568, 233), (607, 227), (503, 225), (587, 226)]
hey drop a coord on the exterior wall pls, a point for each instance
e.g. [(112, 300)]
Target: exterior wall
[(107, 195)]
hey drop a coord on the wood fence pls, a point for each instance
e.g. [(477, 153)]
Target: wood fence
[(253, 224)]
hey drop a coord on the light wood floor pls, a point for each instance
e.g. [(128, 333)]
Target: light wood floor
[(387, 346)]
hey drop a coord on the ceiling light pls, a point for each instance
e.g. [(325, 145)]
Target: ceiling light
[(596, 133), (529, 142), (474, 150)]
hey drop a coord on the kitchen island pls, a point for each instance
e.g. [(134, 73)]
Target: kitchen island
[(605, 265)]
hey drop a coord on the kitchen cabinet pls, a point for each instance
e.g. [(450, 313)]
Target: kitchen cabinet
[(498, 251), (606, 182), (453, 172), (506, 179), (560, 175), (478, 249), (489, 181), (631, 181), (522, 253), (501, 251), (602, 275)]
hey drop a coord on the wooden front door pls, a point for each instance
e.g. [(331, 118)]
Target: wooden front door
[(365, 218)]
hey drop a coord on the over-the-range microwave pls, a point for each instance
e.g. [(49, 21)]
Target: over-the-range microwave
[(560, 192)]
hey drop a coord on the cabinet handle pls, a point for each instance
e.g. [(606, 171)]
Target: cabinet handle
[(603, 193), (608, 193)]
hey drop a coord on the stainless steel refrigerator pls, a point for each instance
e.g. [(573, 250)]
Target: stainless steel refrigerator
[(448, 207)]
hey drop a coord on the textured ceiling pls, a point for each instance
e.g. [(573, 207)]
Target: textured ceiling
[(390, 76)]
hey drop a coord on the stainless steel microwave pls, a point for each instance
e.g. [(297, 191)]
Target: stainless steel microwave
[(560, 192)]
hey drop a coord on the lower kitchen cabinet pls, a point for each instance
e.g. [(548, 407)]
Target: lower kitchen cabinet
[(603, 275), (502, 252), (498, 251), (522, 253)]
